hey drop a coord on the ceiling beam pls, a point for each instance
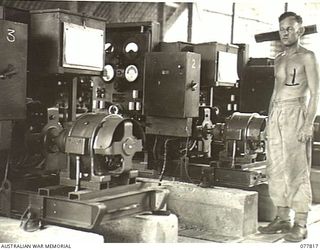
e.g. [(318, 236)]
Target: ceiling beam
[(175, 15)]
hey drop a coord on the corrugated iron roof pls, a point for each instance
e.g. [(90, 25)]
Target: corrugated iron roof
[(128, 11)]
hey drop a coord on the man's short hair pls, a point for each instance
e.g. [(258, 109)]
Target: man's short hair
[(290, 14)]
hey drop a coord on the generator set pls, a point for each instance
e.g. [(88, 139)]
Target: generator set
[(202, 136), (59, 152), (91, 107)]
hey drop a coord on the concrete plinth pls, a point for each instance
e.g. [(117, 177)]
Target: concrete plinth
[(10, 232), (226, 211), (315, 184), (266, 209), (145, 228)]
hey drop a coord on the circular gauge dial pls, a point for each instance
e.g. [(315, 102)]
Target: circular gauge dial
[(108, 73), (131, 47), (131, 73), (108, 48)]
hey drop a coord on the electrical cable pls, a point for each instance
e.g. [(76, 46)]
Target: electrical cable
[(22, 224), (28, 222), (154, 148), (190, 148), (185, 162), (164, 160)]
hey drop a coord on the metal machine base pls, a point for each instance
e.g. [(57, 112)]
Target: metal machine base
[(244, 176), (84, 209)]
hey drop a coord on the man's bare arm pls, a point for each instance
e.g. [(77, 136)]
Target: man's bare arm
[(312, 72), (271, 102), (274, 87)]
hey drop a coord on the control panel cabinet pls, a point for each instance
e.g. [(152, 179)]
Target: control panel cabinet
[(65, 42), (172, 84), (13, 69), (219, 63)]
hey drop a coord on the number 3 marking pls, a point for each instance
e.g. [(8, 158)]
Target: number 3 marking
[(10, 36)]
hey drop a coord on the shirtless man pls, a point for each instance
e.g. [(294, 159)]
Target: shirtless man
[(290, 129)]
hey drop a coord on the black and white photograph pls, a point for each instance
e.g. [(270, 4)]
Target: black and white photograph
[(192, 123)]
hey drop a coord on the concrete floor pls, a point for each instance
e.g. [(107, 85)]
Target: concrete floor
[(197, 236), (10, 232), (313, 232)]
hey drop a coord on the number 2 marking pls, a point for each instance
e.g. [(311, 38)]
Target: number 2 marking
[(193, 63)]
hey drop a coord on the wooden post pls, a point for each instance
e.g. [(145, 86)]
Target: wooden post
[(232, 22), (190, 21), (161, 19)]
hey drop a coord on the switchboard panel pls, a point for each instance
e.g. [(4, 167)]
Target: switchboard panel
[(124, 70)]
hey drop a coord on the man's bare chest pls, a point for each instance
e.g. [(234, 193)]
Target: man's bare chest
[(289, 72)]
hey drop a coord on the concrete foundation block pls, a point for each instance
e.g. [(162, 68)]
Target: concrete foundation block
[(226, 211), (266, 209), (146, 228), (315, 184)]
